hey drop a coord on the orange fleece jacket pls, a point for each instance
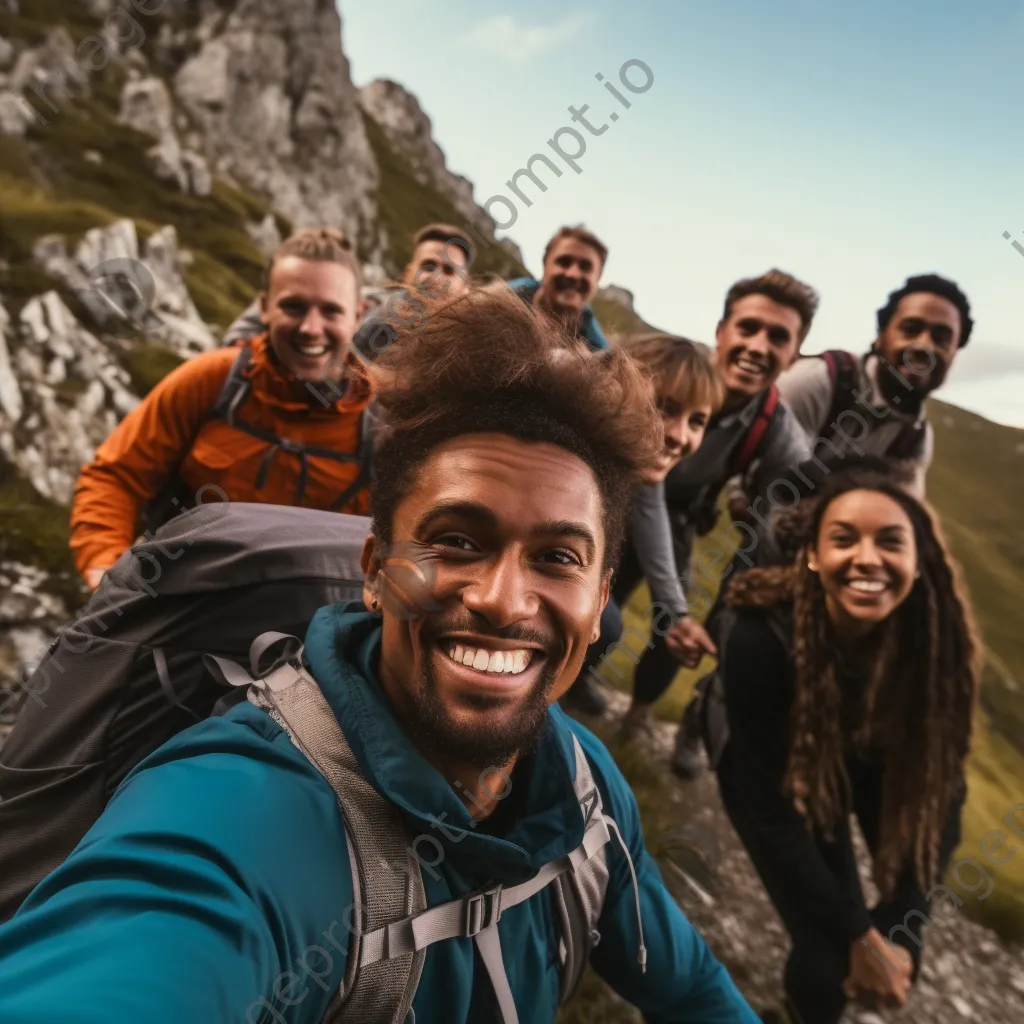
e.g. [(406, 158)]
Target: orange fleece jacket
[(155, 441)]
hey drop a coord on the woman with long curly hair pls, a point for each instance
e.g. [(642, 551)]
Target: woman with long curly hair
[(849, 681)]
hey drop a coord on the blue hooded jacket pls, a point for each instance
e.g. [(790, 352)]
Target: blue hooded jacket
[(215, 886), (589, 329)]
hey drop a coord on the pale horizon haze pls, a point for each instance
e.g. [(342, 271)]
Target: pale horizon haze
[(851, 145)]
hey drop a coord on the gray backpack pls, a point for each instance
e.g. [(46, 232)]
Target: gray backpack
[(127, 672), (393, 926)]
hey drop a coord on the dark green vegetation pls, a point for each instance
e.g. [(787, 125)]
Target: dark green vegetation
[(616, 319), (148, 364)]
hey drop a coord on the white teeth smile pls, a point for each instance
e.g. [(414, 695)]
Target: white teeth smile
[(311, 350), (750, 367), (867, 586), (483, 660)]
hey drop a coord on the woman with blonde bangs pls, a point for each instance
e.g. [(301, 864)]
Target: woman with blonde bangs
[(688, 392)]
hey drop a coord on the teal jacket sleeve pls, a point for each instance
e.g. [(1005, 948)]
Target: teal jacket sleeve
[(683, 981), (187, 901)]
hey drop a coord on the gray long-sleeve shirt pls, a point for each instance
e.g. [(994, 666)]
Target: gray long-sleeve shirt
[(651, 535), (662, 528)]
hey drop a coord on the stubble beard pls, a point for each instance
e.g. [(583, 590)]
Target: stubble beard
[(488, 744)]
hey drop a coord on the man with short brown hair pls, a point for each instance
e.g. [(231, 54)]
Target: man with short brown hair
[(573, 261), (279, 420)]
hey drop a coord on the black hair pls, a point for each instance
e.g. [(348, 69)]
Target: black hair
[(934, 285)]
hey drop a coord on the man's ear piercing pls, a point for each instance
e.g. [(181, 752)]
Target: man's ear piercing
[(375, 604)]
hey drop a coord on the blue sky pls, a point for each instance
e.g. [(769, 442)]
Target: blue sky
[(850, 144)]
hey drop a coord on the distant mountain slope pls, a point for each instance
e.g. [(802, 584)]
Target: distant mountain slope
[(976, 483)]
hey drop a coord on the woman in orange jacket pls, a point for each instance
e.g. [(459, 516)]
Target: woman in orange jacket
[(280, 420)]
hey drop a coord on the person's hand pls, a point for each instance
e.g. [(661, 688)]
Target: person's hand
[(93, 577), (688, 641), (880, 972)]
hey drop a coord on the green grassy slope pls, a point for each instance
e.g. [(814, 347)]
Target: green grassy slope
[(975, 484), (616, 319)]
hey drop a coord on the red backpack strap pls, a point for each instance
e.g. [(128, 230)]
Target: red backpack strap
[(755, 435)]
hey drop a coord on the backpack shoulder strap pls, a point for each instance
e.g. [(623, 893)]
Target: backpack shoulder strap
[(235, 387), (909, 443), (386, 881), (364, 457), (477, 915), (755, 435), (844, 375), (579, 895)]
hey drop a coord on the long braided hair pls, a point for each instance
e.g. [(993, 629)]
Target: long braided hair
[(918, 701)]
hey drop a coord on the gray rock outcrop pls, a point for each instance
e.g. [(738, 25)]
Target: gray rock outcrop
[(270, 89)]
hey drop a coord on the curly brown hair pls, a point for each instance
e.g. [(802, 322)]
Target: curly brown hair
[(918, 703), (487, 362)]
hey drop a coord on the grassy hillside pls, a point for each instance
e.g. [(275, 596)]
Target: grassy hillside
[(975, 485), (616, 319)]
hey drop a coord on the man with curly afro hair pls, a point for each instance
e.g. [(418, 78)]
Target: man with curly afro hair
[(225, 883)]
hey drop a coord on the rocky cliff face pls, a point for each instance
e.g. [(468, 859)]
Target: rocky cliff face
[(64, 385), (252, 92), (152, 154), (268, 91), (408, 129)]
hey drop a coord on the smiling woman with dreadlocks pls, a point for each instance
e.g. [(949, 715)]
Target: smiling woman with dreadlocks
[(849, 681)]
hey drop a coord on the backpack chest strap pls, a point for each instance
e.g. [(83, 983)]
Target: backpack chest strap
[(469, 916), (476, 916)]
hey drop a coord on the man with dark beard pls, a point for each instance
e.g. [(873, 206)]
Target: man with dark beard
[(874, 404), (223, 880), (573, 262)]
